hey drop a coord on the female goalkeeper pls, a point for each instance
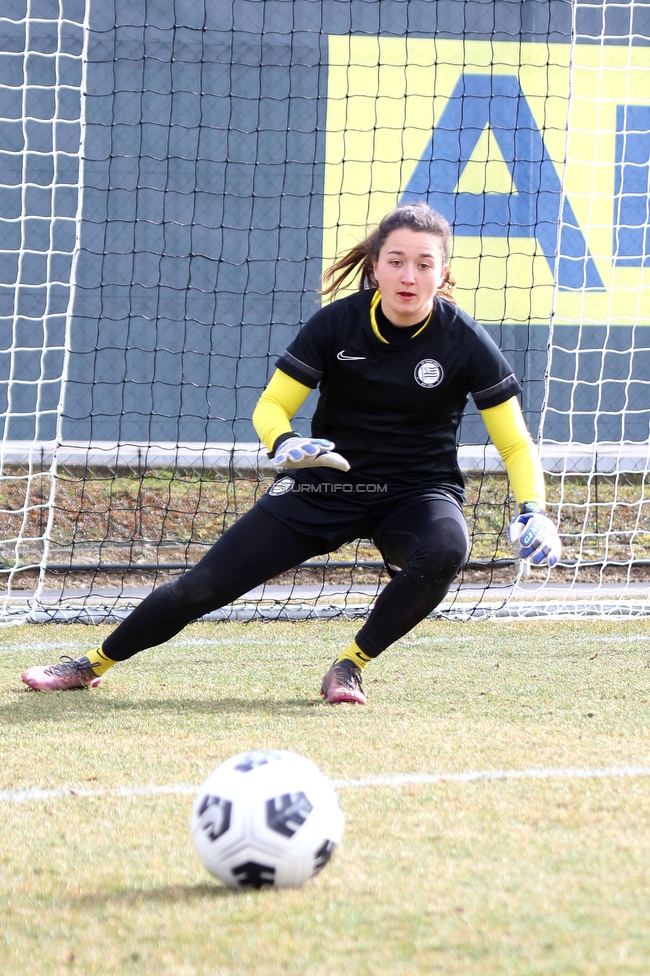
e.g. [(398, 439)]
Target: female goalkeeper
[(394, 364)]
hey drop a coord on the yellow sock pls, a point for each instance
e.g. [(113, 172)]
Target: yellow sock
[(99, 662), (354, 653)]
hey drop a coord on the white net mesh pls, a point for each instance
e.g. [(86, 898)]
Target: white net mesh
[(595, 421), (174, 182)]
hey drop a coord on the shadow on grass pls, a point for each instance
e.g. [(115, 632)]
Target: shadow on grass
[(63, 706), (171, 894)]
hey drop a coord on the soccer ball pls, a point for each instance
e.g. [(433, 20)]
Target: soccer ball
[(266, 818)]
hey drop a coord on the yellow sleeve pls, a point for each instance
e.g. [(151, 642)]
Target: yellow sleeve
[(278, 403), (509, 434)]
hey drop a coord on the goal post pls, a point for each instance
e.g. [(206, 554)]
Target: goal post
[(174, 181)]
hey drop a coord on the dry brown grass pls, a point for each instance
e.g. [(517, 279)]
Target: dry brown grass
[(174, 516)]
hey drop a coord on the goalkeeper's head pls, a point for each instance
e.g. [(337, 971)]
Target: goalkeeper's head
[(361, 259)]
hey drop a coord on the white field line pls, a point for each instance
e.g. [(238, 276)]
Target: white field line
[(400, 779)]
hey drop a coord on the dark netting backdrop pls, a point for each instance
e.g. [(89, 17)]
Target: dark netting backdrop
[(174, 178)]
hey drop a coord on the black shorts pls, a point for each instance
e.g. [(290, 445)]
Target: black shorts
[(322, 502)]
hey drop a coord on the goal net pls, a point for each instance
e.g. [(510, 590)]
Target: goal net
[(174, 180)]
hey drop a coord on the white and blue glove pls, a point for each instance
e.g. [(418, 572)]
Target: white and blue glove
[(537, 536), (307, 452)]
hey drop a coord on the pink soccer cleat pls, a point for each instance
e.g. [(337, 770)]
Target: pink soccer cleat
[(342, 683), (69, 673)]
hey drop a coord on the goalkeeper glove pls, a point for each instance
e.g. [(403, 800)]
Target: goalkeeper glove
[(307, 452), (537, 536)]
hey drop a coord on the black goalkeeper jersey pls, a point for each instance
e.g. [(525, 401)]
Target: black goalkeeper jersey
[(393, 409)]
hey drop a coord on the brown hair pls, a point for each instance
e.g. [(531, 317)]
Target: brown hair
[(358, 260)]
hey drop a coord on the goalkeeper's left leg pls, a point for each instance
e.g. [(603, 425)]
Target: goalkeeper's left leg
[(424, 547)]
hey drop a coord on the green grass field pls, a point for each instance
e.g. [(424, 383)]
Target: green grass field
[(524, 875)]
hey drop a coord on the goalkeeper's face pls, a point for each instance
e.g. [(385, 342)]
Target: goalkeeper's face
[(409, 270)]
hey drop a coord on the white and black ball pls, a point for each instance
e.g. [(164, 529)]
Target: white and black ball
[(266, 818)]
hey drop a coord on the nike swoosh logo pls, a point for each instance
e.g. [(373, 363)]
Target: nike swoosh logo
[(341, 355)]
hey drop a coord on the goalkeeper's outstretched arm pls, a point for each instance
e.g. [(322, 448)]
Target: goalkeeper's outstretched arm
[(272, 418), (535, 532), (508, 432), (276, 407)]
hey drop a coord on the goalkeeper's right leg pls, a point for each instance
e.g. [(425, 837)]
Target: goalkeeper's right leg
[(254, 550), (80, 672)]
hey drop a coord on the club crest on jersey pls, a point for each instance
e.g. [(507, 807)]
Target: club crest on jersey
[(281, 486), (428, 373)]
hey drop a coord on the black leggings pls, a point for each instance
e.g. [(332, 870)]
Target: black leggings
[(425, 546)]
